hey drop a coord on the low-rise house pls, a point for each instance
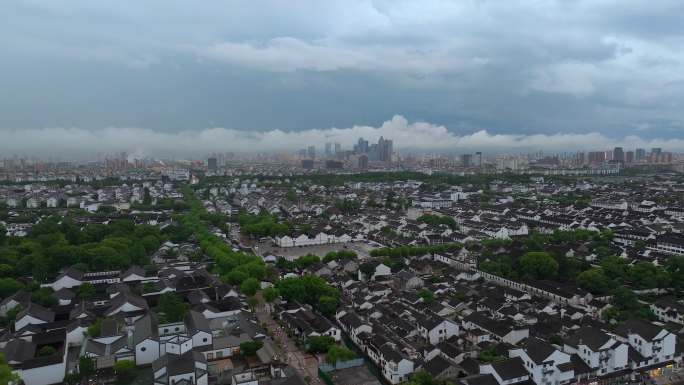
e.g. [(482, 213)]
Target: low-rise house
[(64, 296), (124, 303), (503, 331), (544, 363), (441, 369), (668, 309), (38, 358), (601, 351), (395, 365), (197, 328), (437, 329), (305, 324), (651, 345), (33, 314), (181, 364), (227, 307), (110, 346), (407, 280), (146, 340), (381, 272), (134, 274), (354, 326), (21, 298), (507, 372), (68, 279)]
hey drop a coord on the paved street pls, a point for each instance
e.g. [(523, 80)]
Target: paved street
[(305, 363), (361, 248)]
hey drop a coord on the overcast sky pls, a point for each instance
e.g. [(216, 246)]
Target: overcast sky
[(122, 75)]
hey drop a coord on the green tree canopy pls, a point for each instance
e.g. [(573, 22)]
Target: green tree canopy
[(319, 344), (674, 266), (490, 355), (328, 305), (86, 367), (291, 195), (538, 265), (235, 277), (338, 353), (95, 329), (270, 294), (307, 289), (172, 307), (645, 275), (625, 299), (595, 281), (6, 374), (422, 377), (307, 260), (337, 255), (500, 265), (615, 268), (9, 286), (125, 370), (262, 225), (368, 268), (438, 220), (249, 348), (427, 296), (44, 296), (249, 287), (46, 351), (86, 290)]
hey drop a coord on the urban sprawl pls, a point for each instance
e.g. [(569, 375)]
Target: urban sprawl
[(359, 266)]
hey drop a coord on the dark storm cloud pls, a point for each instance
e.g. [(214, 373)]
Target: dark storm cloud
[(607, 67)]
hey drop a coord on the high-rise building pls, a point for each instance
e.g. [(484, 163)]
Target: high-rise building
[(363, 161), (467, 160), (328, 148), (212, 164), (307, 164), (618, 155), (640, 154), (333, 164), (385, 149), (629, 157), (311, 152), (656, 155), (596, 157), (361, 147), (479, 158), (338, 148), (373, 152), (609, 155)]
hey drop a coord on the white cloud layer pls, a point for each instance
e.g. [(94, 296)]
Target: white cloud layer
[(417, 136)]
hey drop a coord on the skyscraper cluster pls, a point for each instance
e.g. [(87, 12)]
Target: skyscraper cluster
[(619, 155), (381, 151), (332, 149)]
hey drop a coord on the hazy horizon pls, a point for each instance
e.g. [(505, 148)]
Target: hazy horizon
[(422, 137)]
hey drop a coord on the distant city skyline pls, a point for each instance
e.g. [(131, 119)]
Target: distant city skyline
[(409, 136)]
